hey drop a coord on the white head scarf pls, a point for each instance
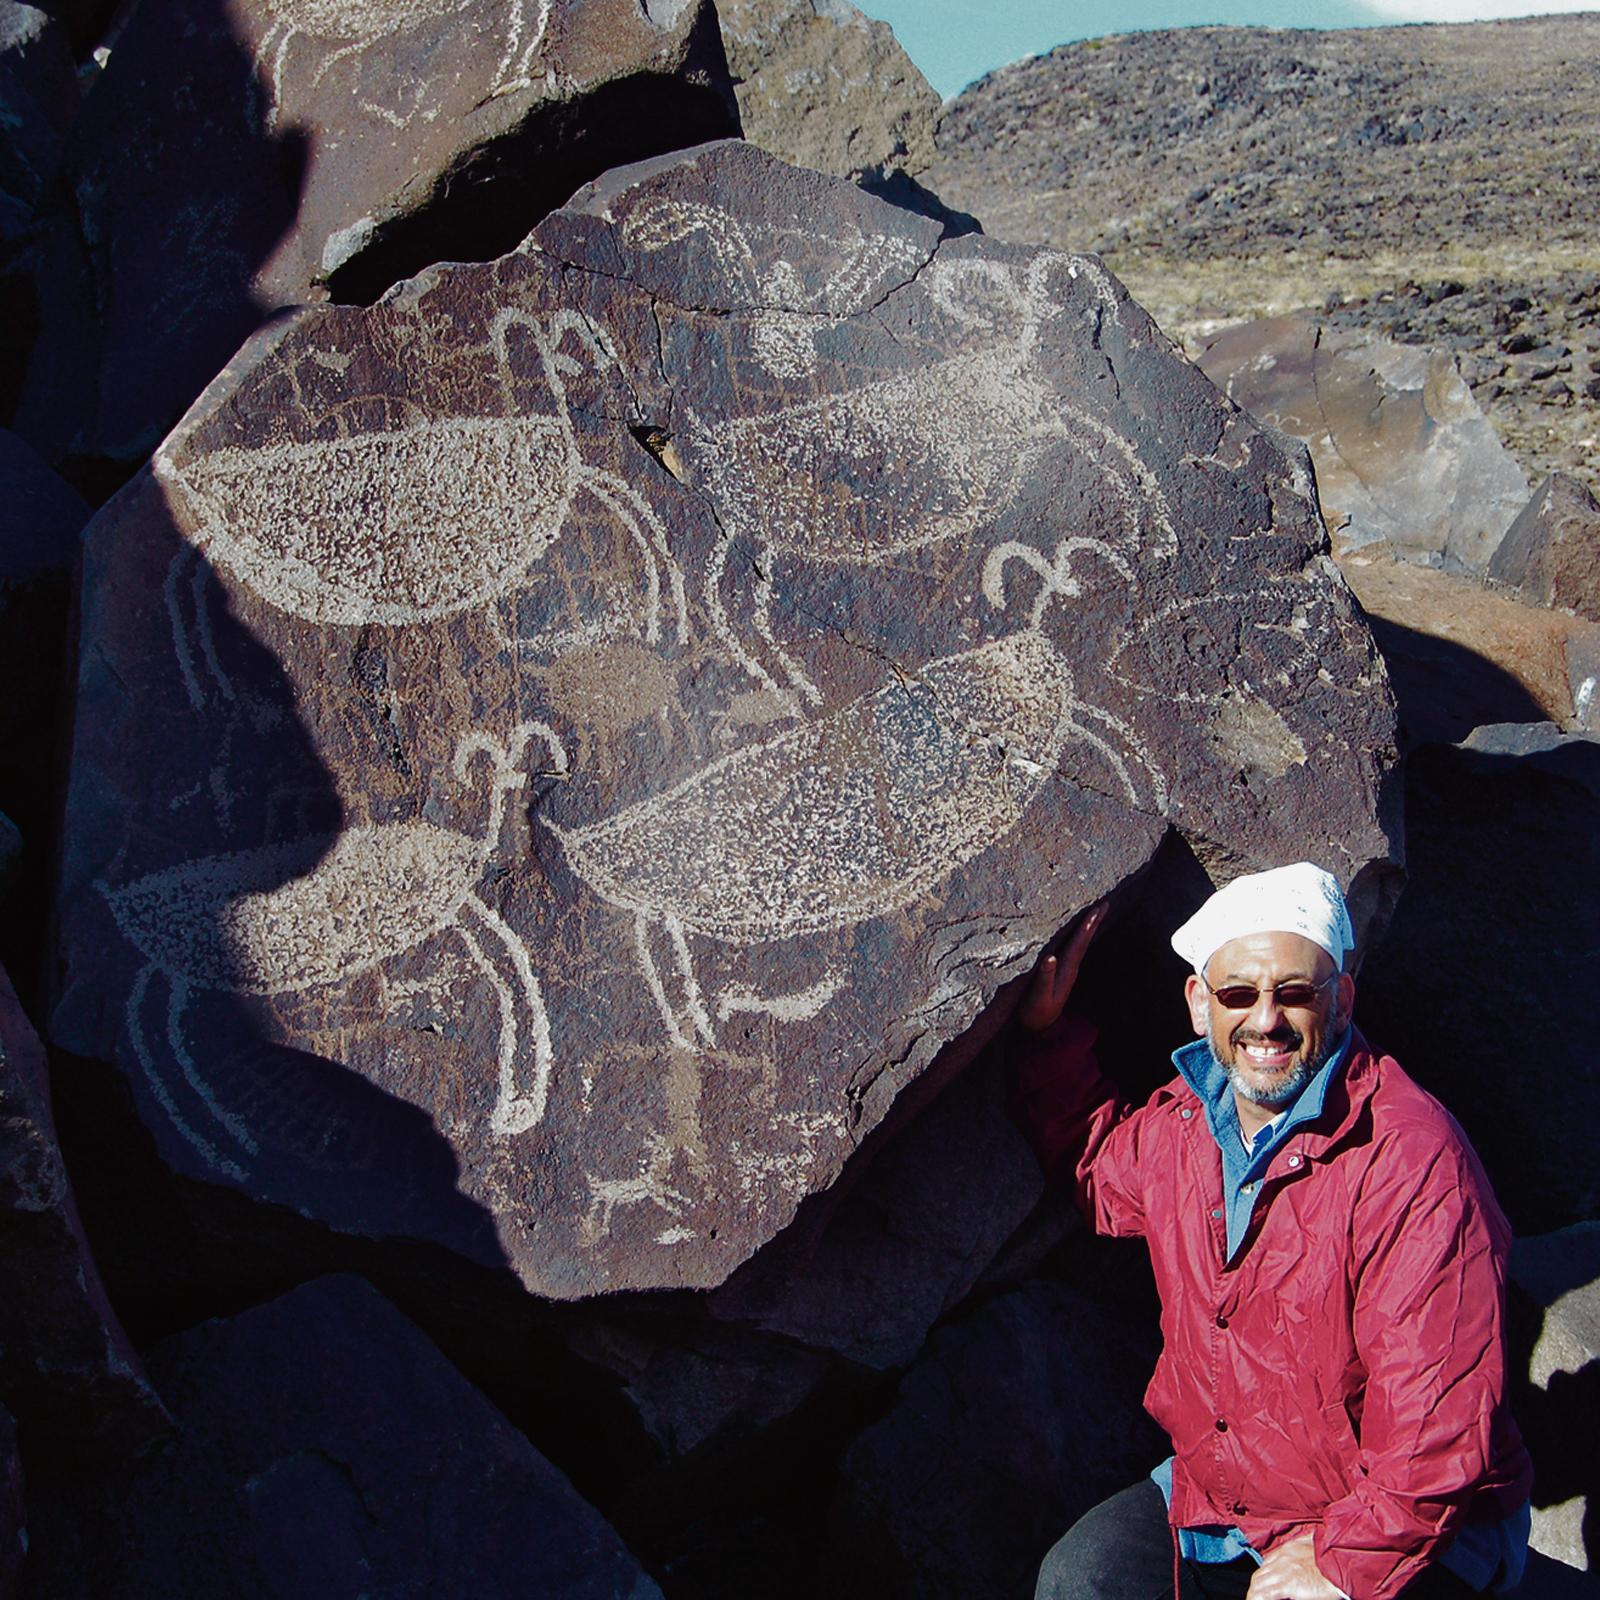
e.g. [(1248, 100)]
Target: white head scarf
[(1300, 899)]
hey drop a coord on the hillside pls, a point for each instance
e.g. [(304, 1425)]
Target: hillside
[(1434, 182)]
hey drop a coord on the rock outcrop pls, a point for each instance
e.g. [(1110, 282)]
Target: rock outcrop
[(821, 85), (67, 1373), (535, 789), (324, 1446), (1403, 454), (38, 101), (236, 158)]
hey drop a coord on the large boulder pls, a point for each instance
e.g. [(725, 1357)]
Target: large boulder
[(1552, 551), (822, 85), (1010, 1427), (67, 1372), (323, 1446), (239, 157), (1501, 917), (1403, 454), (560, 750)]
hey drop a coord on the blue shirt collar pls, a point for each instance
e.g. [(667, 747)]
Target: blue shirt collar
[(1204, 1074)]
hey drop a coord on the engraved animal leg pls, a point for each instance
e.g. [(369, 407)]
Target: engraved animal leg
[(515, 1111), (799, 1006), (614, 494), (1158, 785), (158, 1087), (722, 628), (763, 622), (180, 634), (698, 1019), (501, 83), (177, 999)]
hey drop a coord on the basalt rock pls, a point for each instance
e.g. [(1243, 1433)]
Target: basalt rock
[(1403, 454), (1008, 1429), (243, 155), (1552, 551), (324, 1446), (560, 750), (824, 86), (67, 1373)]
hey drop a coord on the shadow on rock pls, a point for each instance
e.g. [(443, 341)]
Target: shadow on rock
[(1485, 988)]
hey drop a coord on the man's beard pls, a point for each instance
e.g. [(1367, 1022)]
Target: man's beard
[(1287, 1087)]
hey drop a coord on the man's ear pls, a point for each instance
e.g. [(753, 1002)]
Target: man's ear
[(1194, 991), (1345, 998)]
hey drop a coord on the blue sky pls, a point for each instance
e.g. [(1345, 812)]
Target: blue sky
[(957, 41)]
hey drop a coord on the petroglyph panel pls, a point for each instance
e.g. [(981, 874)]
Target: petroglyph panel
[(581, 770)]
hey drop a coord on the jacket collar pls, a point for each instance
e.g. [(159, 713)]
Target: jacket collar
[(1320, 1113)]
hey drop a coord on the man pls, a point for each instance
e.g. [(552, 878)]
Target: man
[(1331, 1264)]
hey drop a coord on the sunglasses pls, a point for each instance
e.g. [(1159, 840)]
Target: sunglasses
[(1297, 992)]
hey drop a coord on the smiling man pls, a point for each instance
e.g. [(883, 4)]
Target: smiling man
[(1331, 1264)]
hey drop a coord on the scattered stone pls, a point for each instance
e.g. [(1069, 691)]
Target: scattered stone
[(821, 85), (324, 1446), (706, 1387), (1502, 913), (534, 790), (1010, 1427), (1552, 551), (1403, 454), (236, 160), (1461, 655), (67, 1373)]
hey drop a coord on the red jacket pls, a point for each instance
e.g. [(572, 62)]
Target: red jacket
[(1346, 1371)]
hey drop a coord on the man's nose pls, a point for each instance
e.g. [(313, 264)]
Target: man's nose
[(1266, 1013)]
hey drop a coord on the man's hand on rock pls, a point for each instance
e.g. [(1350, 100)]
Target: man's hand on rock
[(1055, 975), (1290, 1572)]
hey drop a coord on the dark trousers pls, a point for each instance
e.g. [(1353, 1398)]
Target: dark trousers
[(1122, 1550)]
